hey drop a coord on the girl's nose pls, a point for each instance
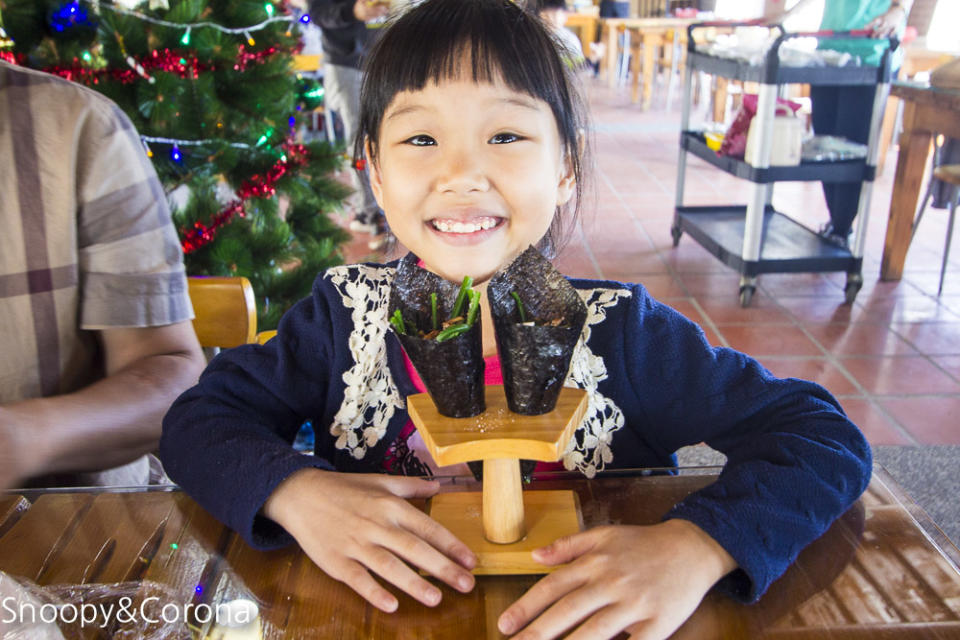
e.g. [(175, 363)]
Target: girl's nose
[(462, 171)]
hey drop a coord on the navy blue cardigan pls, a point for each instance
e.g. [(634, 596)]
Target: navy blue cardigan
[(794, 461)]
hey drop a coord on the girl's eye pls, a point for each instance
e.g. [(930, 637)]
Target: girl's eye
[(504, 138), (421, 141)]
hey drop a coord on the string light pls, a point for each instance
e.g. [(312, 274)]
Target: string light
[(185, 40), (258, 186), (250, 39), (305, 18), (175, 154), (269, 9), (191, 143), (211, 25)]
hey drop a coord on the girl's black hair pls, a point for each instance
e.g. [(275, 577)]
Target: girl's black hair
[(504, 41)]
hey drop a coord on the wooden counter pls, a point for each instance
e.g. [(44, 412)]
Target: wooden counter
[(875, 574), (926, 111)]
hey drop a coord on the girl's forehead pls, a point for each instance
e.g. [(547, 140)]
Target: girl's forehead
[(442, 90)]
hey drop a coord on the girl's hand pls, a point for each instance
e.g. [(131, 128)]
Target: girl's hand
[(350, 524), (642, 580)]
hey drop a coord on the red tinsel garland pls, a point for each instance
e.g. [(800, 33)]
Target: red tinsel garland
[(256, 187), (183, 64)]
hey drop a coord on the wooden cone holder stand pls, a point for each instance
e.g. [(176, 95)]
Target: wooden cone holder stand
[(503, 524)]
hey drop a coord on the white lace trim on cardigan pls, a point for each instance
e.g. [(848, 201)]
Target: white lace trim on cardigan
[(589, 448), (371, 395)]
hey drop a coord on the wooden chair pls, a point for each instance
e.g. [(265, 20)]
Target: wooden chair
[(263, 336), (225, 310)]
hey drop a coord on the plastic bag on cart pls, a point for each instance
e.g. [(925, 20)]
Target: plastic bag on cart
[(832, 149), (735, 140)]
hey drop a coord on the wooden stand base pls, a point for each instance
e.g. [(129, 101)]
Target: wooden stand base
[(549, 515)]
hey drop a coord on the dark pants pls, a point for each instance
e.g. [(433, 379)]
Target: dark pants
[(843, 111), (614, 9)]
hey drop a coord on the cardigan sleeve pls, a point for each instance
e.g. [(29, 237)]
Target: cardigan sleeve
[(227, 441), (795, 462)]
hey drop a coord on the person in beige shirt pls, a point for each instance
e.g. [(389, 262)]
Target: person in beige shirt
[(97, 340)]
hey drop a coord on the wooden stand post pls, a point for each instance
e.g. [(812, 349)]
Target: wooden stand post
[(502, 501), (503, 524)]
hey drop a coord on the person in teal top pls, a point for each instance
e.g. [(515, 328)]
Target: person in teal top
[(845, 110)]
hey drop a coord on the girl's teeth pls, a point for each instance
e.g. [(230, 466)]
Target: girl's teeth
[(464, 227)]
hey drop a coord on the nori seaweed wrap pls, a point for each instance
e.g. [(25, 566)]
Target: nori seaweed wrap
[(537, 317), (451, 369)]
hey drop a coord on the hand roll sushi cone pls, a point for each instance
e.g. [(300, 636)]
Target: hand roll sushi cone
[(534, 356), (452, 370)]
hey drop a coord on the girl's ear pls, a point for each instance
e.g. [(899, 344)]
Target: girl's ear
[(373, 170), (568, 182)]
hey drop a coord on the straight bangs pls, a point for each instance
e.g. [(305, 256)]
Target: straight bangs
[(491, 40)]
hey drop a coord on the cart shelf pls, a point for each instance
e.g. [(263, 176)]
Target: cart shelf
[(842, 171), (788, 246), (781, 74)]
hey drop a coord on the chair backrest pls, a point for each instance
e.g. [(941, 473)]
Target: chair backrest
[(263, 336), (225, 310)]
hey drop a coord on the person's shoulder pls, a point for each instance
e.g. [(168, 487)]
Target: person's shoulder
[(61, 103), (57, 89)]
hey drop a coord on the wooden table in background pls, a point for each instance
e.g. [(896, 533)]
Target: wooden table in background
[(585, 24), (647, 36), (874, 574), (926, 111)]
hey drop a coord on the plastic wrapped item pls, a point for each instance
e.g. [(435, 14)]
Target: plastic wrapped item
[(122, 611), (735, 141), (832, 149), (751, 44), (144, 610)]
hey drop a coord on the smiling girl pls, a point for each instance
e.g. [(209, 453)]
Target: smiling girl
[(472, 130)]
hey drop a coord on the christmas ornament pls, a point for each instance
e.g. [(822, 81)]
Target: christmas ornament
[(72, 19), (309, 93)]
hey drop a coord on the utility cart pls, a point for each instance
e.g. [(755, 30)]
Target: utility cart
[(755, 238)]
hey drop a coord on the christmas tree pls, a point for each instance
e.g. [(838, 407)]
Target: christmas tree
[(209, 86)]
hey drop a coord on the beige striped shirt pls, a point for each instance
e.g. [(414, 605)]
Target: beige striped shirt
[(86, 240)]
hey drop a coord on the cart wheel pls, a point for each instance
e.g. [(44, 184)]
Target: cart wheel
[(675, 233), (746, 295), (850, 291)]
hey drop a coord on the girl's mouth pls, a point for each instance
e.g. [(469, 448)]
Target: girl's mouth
[(479, 223)]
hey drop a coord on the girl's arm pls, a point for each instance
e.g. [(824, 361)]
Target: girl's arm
[(227, 442), (795, 463)]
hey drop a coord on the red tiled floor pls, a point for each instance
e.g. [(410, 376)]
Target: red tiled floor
[(626, 220), (950, 364), (859, 339), (769, 340), (726, 309), (819, 370), (875, 424), (930, 420), (941, 339), (899, 375)]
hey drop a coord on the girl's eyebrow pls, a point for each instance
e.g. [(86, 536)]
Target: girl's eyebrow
[(412, 108)]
